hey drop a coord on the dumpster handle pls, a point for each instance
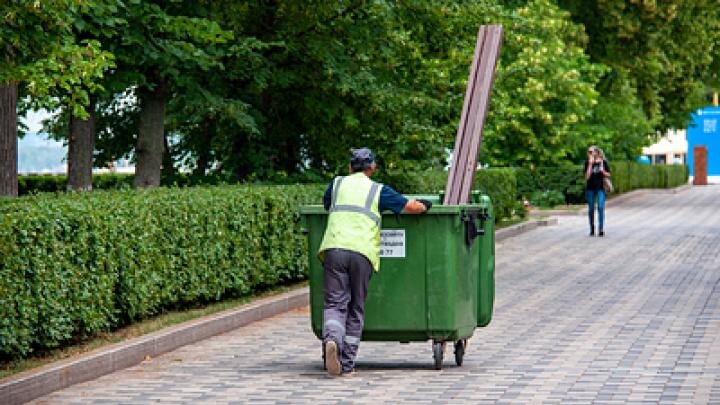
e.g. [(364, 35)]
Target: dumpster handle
[(472, 231)]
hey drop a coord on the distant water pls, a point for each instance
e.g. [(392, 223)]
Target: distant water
[(37, 154)]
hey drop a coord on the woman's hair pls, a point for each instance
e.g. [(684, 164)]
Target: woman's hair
[(597, 151)]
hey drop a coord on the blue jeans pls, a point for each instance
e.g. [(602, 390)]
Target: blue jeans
[(590, 196)]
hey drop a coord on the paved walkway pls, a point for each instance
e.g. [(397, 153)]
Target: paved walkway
[(630, 318)]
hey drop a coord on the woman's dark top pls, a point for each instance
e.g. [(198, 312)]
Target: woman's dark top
[(595, 182)]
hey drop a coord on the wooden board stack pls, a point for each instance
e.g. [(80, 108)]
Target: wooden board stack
[(472, 120)]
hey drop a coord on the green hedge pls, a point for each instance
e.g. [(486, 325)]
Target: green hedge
[(34, 184), (626, 176), (568, 180), (629, 176), (40, 183), (75, 264), (499, 184)]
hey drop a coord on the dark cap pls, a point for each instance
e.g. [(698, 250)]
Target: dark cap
[(361, 158)]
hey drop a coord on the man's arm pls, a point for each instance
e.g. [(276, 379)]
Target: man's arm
[(393, 201), (327, 197)]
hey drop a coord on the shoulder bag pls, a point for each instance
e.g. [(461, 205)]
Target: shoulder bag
[(607, 183)]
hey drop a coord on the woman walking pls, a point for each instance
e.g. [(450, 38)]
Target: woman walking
[(596, 169)]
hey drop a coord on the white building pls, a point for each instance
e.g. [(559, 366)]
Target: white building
[(671, 148)]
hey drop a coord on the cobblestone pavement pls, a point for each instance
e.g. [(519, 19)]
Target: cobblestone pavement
[(630, 318)]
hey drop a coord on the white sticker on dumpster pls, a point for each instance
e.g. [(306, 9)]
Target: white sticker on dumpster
[(392, 243)]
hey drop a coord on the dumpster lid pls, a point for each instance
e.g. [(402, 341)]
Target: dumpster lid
[(435, 210)]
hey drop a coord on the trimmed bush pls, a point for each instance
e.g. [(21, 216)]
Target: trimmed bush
[(500, 185), (112, 181), (526, 182), (568, 180), (629, 176), (626, 176), (421, 182), (676, 175), (547, 199), (34, 184), (75, 264)]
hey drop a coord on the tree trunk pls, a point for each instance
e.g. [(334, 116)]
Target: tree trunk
[(8, 140), (240, 167), (207, 130), (168, 169), (81, 147), (151, 139)]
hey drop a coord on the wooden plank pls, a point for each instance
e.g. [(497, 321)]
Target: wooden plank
[(472, 120), (451, 189), (478, 107), (487, 77), (463, 171)]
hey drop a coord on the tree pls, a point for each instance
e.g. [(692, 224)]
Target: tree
[(81, 146), (97, 21), (663, 50), (545, 89), (41, 56), (328, 76), (301, 84), (151, 132), (160, 47), (8, 138)]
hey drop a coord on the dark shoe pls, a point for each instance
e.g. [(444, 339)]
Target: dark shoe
[(592, 232), (601, 233), (332, 358)]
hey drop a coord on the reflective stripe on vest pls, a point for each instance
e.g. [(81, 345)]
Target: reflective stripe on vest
[(366, 210), (354, 219)]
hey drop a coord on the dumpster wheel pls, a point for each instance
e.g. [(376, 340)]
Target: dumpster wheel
[(460, 346), (323, 357), (438, 351)]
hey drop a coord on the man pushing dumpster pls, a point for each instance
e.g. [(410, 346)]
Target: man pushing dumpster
[(350, 252)]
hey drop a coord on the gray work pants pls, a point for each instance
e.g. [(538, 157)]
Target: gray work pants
[(347, 275)]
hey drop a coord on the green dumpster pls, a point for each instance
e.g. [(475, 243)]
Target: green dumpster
[(436, 278)]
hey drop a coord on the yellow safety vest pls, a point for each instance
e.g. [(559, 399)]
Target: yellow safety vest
[(354, 220)]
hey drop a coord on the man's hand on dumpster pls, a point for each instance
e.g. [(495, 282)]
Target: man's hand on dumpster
[(426, 203), (416, 206)]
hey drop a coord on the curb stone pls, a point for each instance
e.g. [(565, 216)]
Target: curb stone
[(510, 231), (34, 383)]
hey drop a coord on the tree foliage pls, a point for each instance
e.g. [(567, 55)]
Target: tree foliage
[(264, 89), (545, 89), (333, 75), (42, 54), (662, 49)]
